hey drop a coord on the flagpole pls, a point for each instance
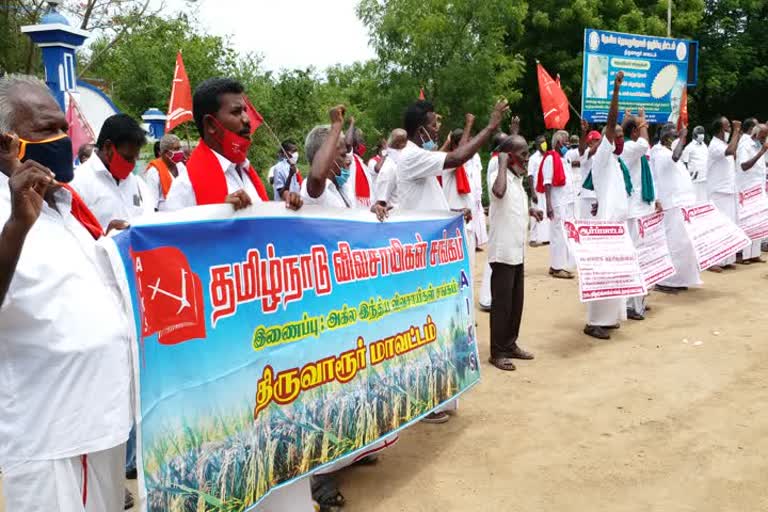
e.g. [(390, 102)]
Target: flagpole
[(274, 136)]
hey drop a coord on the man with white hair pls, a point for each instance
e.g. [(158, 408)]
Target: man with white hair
[(555, 180), (162, 171), (65, 378)]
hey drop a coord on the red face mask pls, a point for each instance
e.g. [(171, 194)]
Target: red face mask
[(119, 167), (177, 157), (234, 147), (361, 149), (619, 142)]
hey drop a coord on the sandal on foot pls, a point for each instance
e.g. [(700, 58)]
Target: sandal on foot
[(597, 332), (519, 353), (437, 418), (503, 363)]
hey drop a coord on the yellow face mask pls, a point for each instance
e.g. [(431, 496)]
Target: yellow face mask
[(544, 146)]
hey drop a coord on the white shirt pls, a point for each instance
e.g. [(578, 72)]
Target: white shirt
[(64, 344), (573, 156), (182, 195), (331, 196), (675, 188), (493, 167), (608, 179), (534, 162), (632, 155), (152, 178), (455, 200), (475, 170), (509, 222), (386, 183), (695, 156), (720, 172), (748, 148), (108, 199), (560, 196), (371, 170), (586, 168), (417, 185)]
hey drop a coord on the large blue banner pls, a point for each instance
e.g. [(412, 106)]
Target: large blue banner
[(273, 343), (655, 74)]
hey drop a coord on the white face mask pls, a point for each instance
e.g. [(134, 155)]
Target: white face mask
[(727, 136), (700, 138), (294, 158)]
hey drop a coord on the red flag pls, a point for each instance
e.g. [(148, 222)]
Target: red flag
[(80, 131), (170, 296), (253, 115), (554, 103), (421, 94), (683, 119), (180, 106)]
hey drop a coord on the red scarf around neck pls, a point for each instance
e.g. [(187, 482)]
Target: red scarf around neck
[(362, 189), (558, 174), (208, 180), (83, 214), (462, 181)]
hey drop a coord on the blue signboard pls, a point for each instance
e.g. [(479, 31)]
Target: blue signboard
[(655, 74)]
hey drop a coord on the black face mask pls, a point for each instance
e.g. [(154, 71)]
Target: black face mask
[(54, 153)]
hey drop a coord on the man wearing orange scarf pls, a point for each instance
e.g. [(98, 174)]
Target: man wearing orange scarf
[(218, 171), (163, 170)]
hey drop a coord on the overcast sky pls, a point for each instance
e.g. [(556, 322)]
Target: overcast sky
[(287, 33)]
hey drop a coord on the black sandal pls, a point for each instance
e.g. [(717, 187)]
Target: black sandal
[(325, 491)]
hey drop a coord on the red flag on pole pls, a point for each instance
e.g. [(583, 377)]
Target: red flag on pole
[(253, 115), (554, 103), (421, 94), (683, 119), (180, 105), (80, 132)]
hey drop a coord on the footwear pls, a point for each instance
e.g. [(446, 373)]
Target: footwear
[(534, 244), (729, 266), (519, 353), (484, 308), (667, 289), (744, 262), (131, 474), (757, 260), (437, 418), (128, 500), (717, 269), (596, 332), (614, 327), (634, 315), (560, 274), (503, 363)]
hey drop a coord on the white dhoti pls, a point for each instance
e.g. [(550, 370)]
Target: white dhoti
[(726, 203), (479, 224), (540, 230), (560, 257), (374, 449), (636, 304), (681, 251), (585, 208), (752, 251), (702, 194), (87, 483), (295, 496), (471, 249), (485, 288), (605, 313)]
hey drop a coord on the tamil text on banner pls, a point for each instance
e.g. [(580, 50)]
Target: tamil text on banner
[(606, 260), (713, 235), (655, 74), (274, 343), (753, 212), (652, 249)]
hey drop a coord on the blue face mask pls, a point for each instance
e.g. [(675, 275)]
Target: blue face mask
[(563, 150), (429, 145), (342, 178)]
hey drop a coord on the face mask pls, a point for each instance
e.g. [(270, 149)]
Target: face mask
[(563, 150), (383, 152), (54, 153), (619, 145), (234, 147), (726, 136), (429, 144), (177, 157), (342, 178), (361, 149), (119, 167), (544, 147), (700, 138), (294, 158)]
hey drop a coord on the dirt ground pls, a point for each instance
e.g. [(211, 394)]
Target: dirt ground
[(670, 415)]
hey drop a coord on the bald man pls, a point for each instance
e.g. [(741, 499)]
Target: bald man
[(509, 214)]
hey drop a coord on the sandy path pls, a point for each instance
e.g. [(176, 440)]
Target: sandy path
[(642, 422)]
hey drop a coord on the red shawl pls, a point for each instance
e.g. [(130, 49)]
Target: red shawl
[(462, 181), (83, 214), (362, 189), (208, 180), (558, 176)]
